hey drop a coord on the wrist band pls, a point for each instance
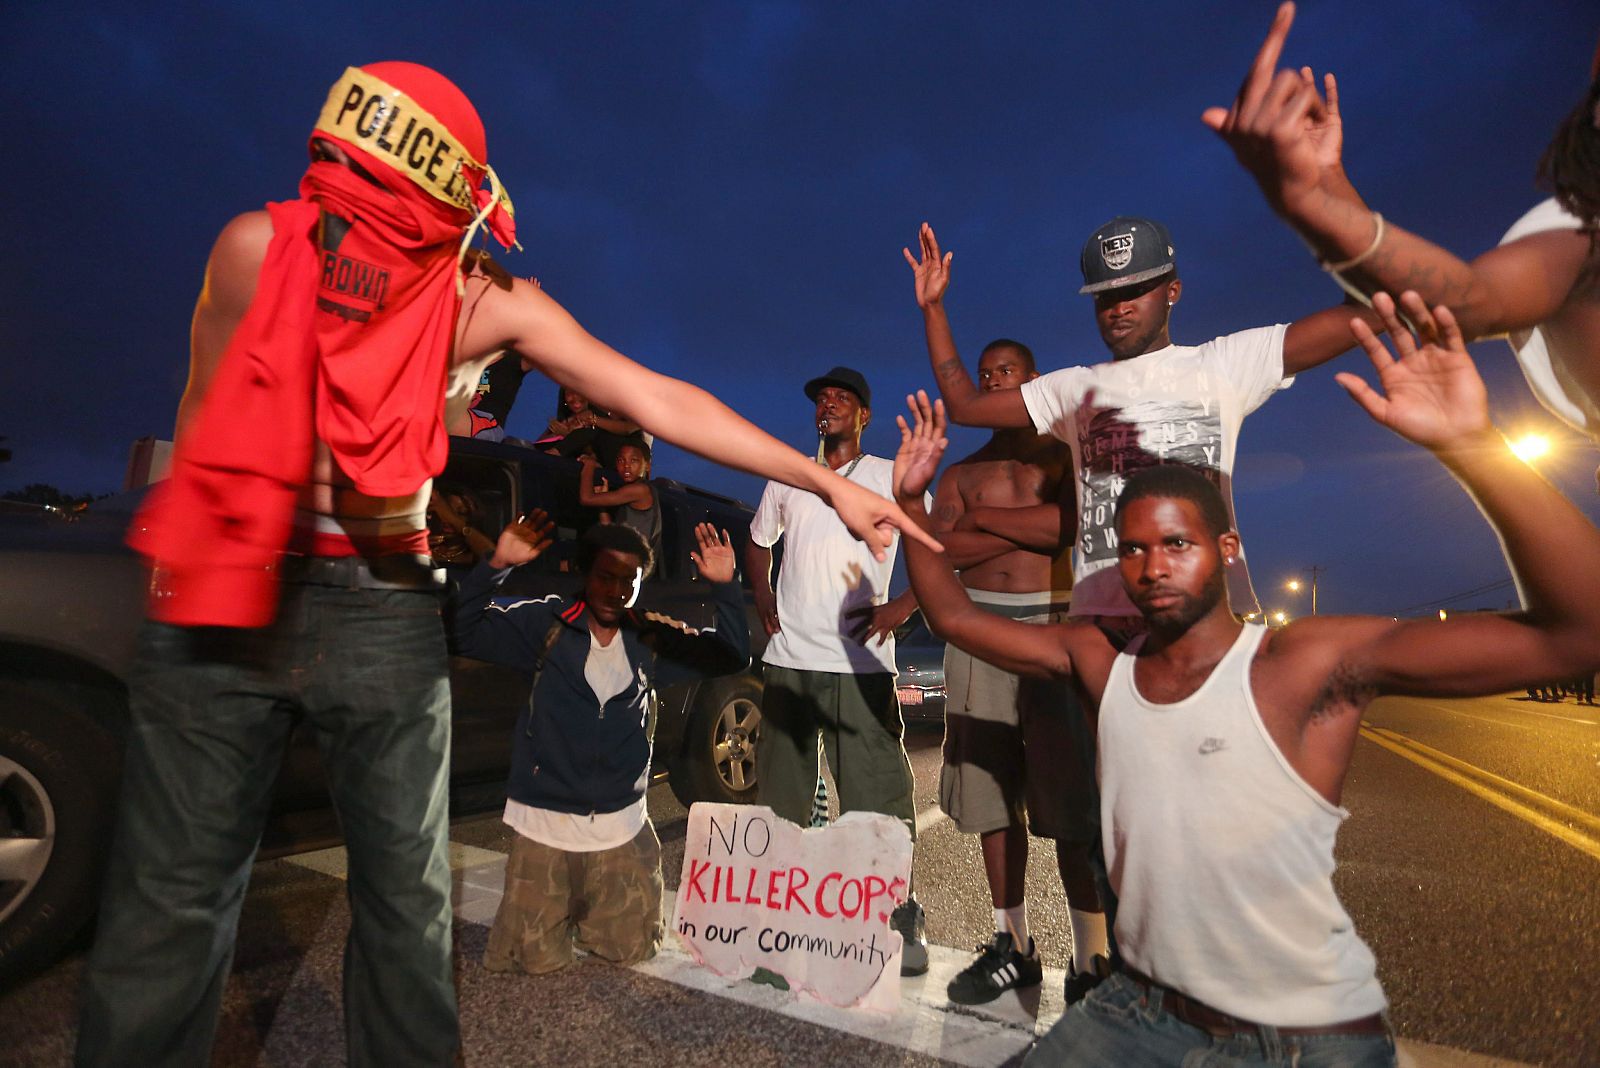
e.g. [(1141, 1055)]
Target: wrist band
[(1377, 239)]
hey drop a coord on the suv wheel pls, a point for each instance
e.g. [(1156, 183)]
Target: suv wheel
[(718, 761), (59, 770)]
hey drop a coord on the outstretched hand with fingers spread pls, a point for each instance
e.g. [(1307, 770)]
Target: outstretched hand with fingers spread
[(1431, 395), (922, 444), (714, 557), (523, 540), (932, 271), (1280, 127)]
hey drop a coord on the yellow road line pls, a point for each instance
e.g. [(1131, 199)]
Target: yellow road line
[(1546, 813)]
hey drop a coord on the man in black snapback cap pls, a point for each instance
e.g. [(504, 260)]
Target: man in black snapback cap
[(1124, 252), (1155, 403), (824, 674)]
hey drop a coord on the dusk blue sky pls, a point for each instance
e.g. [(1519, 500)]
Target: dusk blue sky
[(721, 191)]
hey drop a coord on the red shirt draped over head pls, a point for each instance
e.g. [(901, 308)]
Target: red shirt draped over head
[(348, 340)]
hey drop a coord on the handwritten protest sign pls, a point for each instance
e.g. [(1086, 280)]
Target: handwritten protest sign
[(812, 905)]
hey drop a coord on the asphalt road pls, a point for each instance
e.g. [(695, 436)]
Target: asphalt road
[(1486, 924)]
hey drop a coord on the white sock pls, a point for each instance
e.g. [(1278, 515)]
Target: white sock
[(1014, 920), (1088, 938)]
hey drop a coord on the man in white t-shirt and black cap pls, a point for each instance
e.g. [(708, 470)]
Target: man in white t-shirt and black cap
[(1154, 403), (825, 674)]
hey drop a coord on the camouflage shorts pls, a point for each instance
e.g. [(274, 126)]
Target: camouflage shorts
[(607, 903)]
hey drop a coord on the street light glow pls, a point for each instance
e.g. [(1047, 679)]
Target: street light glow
[(1529, 447), (1294, 585), (1280, 617)]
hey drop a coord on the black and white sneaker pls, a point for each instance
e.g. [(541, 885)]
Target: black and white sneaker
[(908, 920), (999, 967), (1078, 984)]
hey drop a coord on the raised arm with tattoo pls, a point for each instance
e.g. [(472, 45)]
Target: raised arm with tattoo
[(968, 406), (1432, 396)]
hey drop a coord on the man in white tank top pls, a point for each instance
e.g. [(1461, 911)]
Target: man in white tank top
[(1223, 747)]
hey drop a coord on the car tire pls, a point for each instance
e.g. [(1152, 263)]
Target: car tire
[(60, 766), (718, 758)]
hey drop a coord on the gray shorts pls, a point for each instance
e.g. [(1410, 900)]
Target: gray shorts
[(1017, 751)]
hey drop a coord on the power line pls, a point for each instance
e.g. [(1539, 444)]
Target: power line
[(1440, 602)]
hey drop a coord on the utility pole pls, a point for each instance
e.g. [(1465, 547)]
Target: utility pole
[(1315, 571)]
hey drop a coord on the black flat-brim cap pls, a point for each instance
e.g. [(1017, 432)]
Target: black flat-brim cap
[(1124, 252), (845, 378)]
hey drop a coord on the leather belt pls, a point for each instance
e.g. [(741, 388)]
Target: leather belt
[(401, 571), (1219, 1024)]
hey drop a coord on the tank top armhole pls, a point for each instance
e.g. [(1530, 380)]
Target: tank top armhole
[(1339, 812)]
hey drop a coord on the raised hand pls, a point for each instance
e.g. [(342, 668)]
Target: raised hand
[(714, 557), (1432, 394), (932, 271), (1280, 127), (523, 540), (922, 443)]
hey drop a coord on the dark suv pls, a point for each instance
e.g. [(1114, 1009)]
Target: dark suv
[(70, 606)]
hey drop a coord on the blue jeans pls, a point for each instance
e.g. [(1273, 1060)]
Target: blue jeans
[(211, 711), (1120, 1024)]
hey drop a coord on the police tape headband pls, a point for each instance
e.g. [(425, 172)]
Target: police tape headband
[(369, 113)]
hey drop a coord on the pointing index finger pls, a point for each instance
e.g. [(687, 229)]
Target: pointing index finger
[(1266, 62)]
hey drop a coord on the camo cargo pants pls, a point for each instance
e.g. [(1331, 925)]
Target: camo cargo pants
[(607, 903)]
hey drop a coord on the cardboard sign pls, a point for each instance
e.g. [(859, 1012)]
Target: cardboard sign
[(812, 905)]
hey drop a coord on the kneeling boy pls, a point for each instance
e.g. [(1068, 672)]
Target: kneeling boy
[(586, 864)]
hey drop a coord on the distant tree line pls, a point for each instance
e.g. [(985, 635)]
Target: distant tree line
[(44, 493)]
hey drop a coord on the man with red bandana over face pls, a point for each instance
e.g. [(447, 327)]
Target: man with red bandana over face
[(289, 575)]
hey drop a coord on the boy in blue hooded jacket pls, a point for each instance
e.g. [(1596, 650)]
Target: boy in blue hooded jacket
[(585, 868)]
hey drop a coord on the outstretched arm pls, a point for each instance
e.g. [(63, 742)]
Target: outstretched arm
[(1290, 138), (1322, 335), (1432, 396), (526, 319), (968, 406), (1025, 649)]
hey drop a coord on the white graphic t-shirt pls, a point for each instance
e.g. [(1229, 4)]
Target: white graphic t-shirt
[(1181, 404)]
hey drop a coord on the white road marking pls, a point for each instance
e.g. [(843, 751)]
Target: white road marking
[(1508, 712), (931, 816)]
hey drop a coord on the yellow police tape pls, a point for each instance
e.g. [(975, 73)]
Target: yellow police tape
[(378, 118)]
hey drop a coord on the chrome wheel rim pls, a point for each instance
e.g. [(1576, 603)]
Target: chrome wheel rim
[(27, 835), (734, 744)]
